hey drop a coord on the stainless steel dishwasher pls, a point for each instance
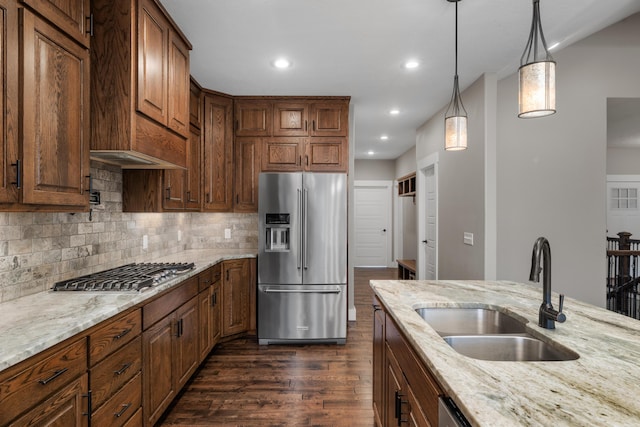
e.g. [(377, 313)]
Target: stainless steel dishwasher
[(449, 415)]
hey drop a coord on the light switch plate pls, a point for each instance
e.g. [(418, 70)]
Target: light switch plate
[(468, 238), (227, 233), (145, 242)]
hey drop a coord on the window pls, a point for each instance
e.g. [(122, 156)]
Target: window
[(624, 198)]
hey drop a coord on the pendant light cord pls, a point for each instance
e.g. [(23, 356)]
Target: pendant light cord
[(456, 49)]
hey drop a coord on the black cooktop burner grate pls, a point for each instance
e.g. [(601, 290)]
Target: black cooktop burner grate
[(130, 277)]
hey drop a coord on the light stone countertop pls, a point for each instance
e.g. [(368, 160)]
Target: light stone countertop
[(36, 322), (601, 388)]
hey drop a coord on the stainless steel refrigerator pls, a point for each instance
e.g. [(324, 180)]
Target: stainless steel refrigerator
[(302, 258)]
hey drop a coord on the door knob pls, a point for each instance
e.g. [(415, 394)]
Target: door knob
[(384, 230), (425, 242)]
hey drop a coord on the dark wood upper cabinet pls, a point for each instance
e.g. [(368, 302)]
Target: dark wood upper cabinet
[(195, 104), (329, 118), (193, 197), (153, 45), (55, 115), (253, 118), (140, 83), (9, 102), (290, 119), (247, 168), (71, 16), (217, 150)]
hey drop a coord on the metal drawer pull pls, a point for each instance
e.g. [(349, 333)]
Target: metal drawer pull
[(301, 291), (122, 334), (125, 406), (55, 375), (124, 368)]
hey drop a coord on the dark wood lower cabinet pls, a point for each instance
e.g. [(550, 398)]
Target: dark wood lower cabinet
[(67, 408), (136, 362), (404, 391)]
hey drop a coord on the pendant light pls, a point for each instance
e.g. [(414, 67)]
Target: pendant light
[(455, 119), (537, 73)]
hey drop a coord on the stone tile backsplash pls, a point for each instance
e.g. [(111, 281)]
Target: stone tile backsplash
[(38, 249)]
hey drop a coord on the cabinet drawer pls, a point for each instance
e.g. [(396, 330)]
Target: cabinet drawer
[(209, 276), (114, 335), (40, 380), (122, 406), (161, 307), (135, 420), (110, 374)]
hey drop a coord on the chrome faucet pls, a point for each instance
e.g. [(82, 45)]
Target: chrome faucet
[(547, 316)]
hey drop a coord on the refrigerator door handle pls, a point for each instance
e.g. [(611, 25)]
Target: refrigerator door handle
[(305, 227), (300, 234), (301, 291)]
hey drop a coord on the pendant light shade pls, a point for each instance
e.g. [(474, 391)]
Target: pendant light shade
[(537, 73), (455, 118)]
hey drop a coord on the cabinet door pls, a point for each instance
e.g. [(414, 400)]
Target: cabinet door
[(55, 111), (194, 159), (195, 104), (329, 118), (153, 39), (186, 342), (378, 363), (67, 408), (179, 83), (9, 102), (217, 154), (395, 402), (326, 155), (158, 374), (216, 312), (290, 119), (235, 296), (71, 16), (282, 154), (247, 169), (253, 118), (173, 185), (416, 416), (204, 324)]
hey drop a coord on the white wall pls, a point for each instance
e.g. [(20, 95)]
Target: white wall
[(552, 171), (406, 163), (374, 170), (623, 161), (461, 185)]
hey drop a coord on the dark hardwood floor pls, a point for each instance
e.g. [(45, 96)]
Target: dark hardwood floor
[(244, 384)]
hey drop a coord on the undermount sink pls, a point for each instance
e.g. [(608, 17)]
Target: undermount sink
[(488, 334), (511, 348), (470, 321)]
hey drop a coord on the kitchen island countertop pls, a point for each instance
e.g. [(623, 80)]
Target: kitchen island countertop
[(36, 322), (601, 388)]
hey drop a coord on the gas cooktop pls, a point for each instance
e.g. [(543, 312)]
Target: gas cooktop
[(130, 277)]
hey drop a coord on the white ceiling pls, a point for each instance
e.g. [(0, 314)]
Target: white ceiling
[(357, 48)]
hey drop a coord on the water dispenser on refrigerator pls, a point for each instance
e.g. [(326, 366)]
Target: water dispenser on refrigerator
[(278, 231)]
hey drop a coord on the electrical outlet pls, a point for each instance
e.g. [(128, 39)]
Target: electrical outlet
[(179, 235), (145, 242), (227, 233)]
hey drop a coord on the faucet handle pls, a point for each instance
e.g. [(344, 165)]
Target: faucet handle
[(561, 303)]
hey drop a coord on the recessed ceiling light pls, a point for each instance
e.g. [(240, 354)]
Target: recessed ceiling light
[(394, 112), (411, 64), (384, 137), (371, 153), (282, 63)]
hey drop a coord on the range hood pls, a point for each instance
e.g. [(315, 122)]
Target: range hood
[(128, 159)]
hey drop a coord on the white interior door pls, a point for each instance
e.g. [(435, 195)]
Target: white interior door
[(623, 208), (372, 223), (427, 190)]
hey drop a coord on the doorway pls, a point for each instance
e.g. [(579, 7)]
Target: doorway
[(427, 190), (372, 223)]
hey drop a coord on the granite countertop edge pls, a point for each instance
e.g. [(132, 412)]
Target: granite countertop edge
[(593, 390), (36, 322)]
